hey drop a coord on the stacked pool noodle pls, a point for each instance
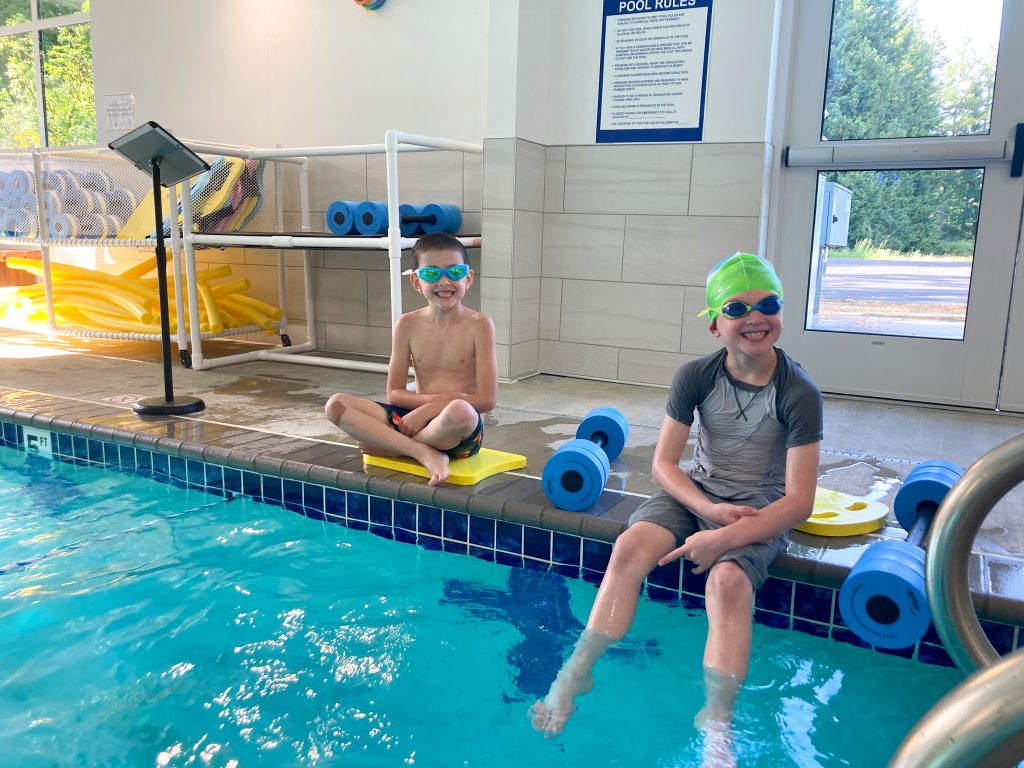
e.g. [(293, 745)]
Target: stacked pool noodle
[(370, 217), (129, 302), (77, 204)]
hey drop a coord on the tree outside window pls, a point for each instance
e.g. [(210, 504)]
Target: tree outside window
[(49, 56)]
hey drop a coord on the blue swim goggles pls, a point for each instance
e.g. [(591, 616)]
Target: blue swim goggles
[(769, 305), (432, 274)]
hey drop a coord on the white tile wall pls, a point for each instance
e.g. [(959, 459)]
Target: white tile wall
[(554, 179), (423, 177), (645, 179), (530, 172), (727, 180), (630, 315), (524, 359), (681, 249), (497, 239), (579, 359), (525, 309), (645, 367), (583, 246), (550, 307), (499, 173), (527, 243)]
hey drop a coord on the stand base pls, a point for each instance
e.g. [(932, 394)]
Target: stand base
[(158, 406)]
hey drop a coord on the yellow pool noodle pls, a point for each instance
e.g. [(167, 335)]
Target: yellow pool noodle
[(246, 313), (260, 306)]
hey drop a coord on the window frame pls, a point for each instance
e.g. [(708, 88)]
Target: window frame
[(36, 26)]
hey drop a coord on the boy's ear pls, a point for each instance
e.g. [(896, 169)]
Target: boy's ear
[(714, 327), (414, 281)]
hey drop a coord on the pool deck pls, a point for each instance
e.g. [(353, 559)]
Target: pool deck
[(268, 417)]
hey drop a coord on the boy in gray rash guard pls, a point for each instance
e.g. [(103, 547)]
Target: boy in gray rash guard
[(754, 474)]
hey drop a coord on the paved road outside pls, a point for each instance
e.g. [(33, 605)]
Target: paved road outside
[(925, 298)]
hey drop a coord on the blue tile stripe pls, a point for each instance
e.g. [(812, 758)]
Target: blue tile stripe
[(781, 603)]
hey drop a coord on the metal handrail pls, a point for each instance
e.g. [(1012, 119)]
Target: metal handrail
[(980, 722)]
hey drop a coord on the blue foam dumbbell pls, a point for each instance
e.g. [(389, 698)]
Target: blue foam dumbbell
[(884, 600), (576, 473)]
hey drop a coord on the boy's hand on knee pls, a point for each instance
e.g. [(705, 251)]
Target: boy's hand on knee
[(702, 548)]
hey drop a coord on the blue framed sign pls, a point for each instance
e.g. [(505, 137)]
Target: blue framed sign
[(654, 66)]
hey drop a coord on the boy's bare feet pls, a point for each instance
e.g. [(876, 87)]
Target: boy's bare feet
[(436, 464), (374, 450)]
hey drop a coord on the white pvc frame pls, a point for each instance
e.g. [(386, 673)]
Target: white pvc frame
[(394, 143)]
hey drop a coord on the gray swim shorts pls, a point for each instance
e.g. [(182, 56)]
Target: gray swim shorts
[(754, 559)]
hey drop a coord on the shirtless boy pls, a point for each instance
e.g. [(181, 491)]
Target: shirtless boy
[(452, 352)]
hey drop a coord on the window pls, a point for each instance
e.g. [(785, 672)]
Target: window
[(47, 94)]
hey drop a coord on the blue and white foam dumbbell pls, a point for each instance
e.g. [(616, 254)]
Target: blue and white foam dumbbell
[(576, 473)]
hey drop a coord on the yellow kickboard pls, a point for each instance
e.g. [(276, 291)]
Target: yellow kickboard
[(463, 471), (840, 514)]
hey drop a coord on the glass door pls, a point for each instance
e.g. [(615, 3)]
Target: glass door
[(899, 218)]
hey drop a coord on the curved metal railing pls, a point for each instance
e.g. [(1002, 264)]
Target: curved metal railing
[(980, 722)]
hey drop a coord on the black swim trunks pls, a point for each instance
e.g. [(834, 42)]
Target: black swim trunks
[(468, 446)]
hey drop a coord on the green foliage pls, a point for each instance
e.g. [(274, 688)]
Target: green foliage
[(888, 79), (67, 83)]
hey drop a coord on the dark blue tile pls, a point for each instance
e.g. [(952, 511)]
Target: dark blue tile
[(535, 565), (357, 506), (405, 516), (537, 543), (232, 480), (692, 602), (844, 635), (10, 435), (143, 461), (904, 653), (775, 595), (433, 543), (837, 615), (315, 514), (95, 449), (814, 603), (380, 511), (215, 477), (252, 485), (456, 547), (430, 521), (481, 531), (1000, 635), (810, 627), (161, 465), (508, 537), (693, 583), (596, 554), (504, 558), (770, 619), (196, 473), (126, 457), (81, 447), (313, 500), (111, 455), (592, 577), (357, 525), (65, 445), (273, 491), (384, 531), (334, 502), (177, 468), (566, 549), (568, 571), (933, 654), (662, 594), (456, 525), (482, 553), (405, 535), (931, 635), (291, 495), (665, 576)]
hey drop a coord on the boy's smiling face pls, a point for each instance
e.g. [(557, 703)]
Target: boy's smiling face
[(754, 334), (445, 293)]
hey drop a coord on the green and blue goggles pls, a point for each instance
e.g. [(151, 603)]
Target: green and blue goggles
[(432, 274)]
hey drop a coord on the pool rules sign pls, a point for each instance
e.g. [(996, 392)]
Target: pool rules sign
[(654, 64)]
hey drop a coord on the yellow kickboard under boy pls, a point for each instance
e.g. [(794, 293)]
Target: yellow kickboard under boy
[(840, 514), (461, 471)]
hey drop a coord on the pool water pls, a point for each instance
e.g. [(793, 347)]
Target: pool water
[(147, 625)]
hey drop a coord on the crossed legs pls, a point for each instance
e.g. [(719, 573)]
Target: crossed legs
[(365, 421)]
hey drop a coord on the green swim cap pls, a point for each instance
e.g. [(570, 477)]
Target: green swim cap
[(736, 274)]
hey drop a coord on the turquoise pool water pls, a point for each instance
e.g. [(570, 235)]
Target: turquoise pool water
[(143, 624)]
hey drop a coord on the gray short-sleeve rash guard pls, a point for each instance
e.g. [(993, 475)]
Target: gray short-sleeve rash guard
[(744, 431)]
